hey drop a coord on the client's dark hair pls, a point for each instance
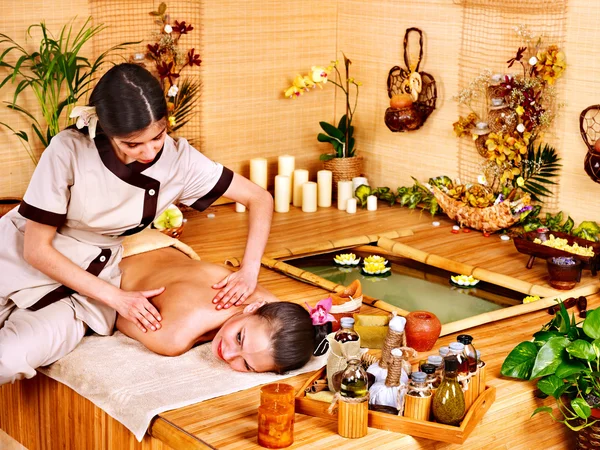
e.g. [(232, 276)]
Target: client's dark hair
[(128, 99), (294, 336)]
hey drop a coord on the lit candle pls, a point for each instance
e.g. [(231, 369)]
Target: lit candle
[(239, 207), (371, 203), (285, 166), (324, 183), (282, 193), (300, 177), (351, 206), (309, 196), (357, 181), (276, 416), (344, 193), (258, 171)]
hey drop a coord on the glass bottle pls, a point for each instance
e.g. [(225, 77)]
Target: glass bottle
[(346, 333), (449, 400), (417, 403), (432, 381), (354, 380), (438, 362), (444, 351), (469, 351), (457, 349)]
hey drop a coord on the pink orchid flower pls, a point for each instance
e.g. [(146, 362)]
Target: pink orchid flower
[(320, 313)]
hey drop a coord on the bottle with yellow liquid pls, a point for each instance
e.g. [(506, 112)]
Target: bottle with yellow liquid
[(353, 412)]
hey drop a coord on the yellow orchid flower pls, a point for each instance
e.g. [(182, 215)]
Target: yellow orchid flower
[(519, 110), (292, 92), (319, 74), (172, 121)]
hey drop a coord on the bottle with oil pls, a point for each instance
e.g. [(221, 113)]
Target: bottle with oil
[(354, 380), (449, 400), (469, 351), (346, 333)]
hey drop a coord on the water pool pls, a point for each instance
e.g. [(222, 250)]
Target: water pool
[(415, 286)]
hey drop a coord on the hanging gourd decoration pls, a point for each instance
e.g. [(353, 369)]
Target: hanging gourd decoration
[(412, 93), (589, 126)]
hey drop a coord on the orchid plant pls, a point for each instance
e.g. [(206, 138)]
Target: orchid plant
[(181, 93), (340, 136)]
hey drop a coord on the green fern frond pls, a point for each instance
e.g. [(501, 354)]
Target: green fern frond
[(542, 164)]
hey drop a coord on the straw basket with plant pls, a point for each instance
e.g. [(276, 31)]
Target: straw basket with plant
[(343, 162)]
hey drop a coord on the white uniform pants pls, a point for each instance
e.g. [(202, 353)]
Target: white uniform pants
[(30, 339)]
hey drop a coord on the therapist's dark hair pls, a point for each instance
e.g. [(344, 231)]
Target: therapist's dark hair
[(294, 338), (128, 98)]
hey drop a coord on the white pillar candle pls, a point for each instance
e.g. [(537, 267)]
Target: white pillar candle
[(239, 207), (344, 193), (357, 181), (258, 171), (351, 206), (371, 203), (300, 177), (309, 197), (282, 193), (324, 182), (285, 166)]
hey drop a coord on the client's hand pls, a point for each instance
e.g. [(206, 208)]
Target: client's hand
[(235, 288), (135, 307)]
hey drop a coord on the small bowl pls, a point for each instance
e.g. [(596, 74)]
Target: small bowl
[(564, 271)]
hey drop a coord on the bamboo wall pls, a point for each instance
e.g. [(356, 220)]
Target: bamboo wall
[(251, 50)]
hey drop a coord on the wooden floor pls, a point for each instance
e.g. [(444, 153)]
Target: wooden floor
[(229, 422)]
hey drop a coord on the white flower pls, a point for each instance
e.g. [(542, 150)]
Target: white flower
[(481, 179), (520, 128), (173, 90), (533, 61), (168, 28)]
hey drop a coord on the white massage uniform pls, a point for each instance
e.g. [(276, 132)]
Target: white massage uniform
[(94, 200)]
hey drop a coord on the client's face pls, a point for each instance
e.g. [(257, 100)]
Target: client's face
[(244, 342)]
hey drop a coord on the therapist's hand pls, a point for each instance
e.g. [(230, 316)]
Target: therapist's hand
[(136, 308), (236, 287)]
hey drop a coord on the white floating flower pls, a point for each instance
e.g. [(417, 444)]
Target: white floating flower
[(173, 90), (346, 259), (520, 128), (168, 29), (464, 280)]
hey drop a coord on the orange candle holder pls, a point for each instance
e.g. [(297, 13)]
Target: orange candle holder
[(276, 416)]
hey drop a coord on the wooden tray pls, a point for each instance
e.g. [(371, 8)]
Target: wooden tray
[(405, 425), (525, 245)]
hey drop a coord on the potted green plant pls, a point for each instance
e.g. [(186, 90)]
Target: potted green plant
[(564, 358), (57, 74), (343, 162)]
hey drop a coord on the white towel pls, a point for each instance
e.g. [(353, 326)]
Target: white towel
[(133, 384)]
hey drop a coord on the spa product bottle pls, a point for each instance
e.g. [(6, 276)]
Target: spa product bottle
[(469, 351), (444, 351), (438, 362), (417, 402), (346, 333), (457, 349), (354, 380), (432, 381), (449, 400)]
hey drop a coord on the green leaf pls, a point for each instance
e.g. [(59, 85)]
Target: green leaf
[(545, 409), (591, 324), (581, 349), (543, 336), (569, 367), (321, 137), (581, 408), (568, 225), (520, 361), (162, 8), (548, 385), (326, 157), (549, 357), (332, 131)]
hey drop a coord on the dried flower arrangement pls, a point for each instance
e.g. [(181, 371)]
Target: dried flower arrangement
[(181, 92)]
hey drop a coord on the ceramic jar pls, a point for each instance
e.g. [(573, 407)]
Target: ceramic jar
[(422, 330), (564, 271), (403, 119)]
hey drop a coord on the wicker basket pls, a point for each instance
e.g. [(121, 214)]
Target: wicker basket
[(343, 169), (488, 220), (588, 438)]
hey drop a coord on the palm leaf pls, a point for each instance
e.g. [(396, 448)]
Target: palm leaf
[(541, 164)]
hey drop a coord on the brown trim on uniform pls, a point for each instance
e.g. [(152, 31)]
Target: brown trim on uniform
[(217, 191), (129, 175), (137, 166), (41, 215), (95, 267)]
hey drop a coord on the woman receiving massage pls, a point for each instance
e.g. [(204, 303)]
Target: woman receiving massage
[(263, 335)]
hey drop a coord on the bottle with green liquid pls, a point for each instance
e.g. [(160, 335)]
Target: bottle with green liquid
[(449, 399), (354, 380)]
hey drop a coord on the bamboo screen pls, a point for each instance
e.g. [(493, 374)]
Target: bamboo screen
[(489, 40)]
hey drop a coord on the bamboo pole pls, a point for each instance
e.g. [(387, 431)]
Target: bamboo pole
[(301, 275)]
